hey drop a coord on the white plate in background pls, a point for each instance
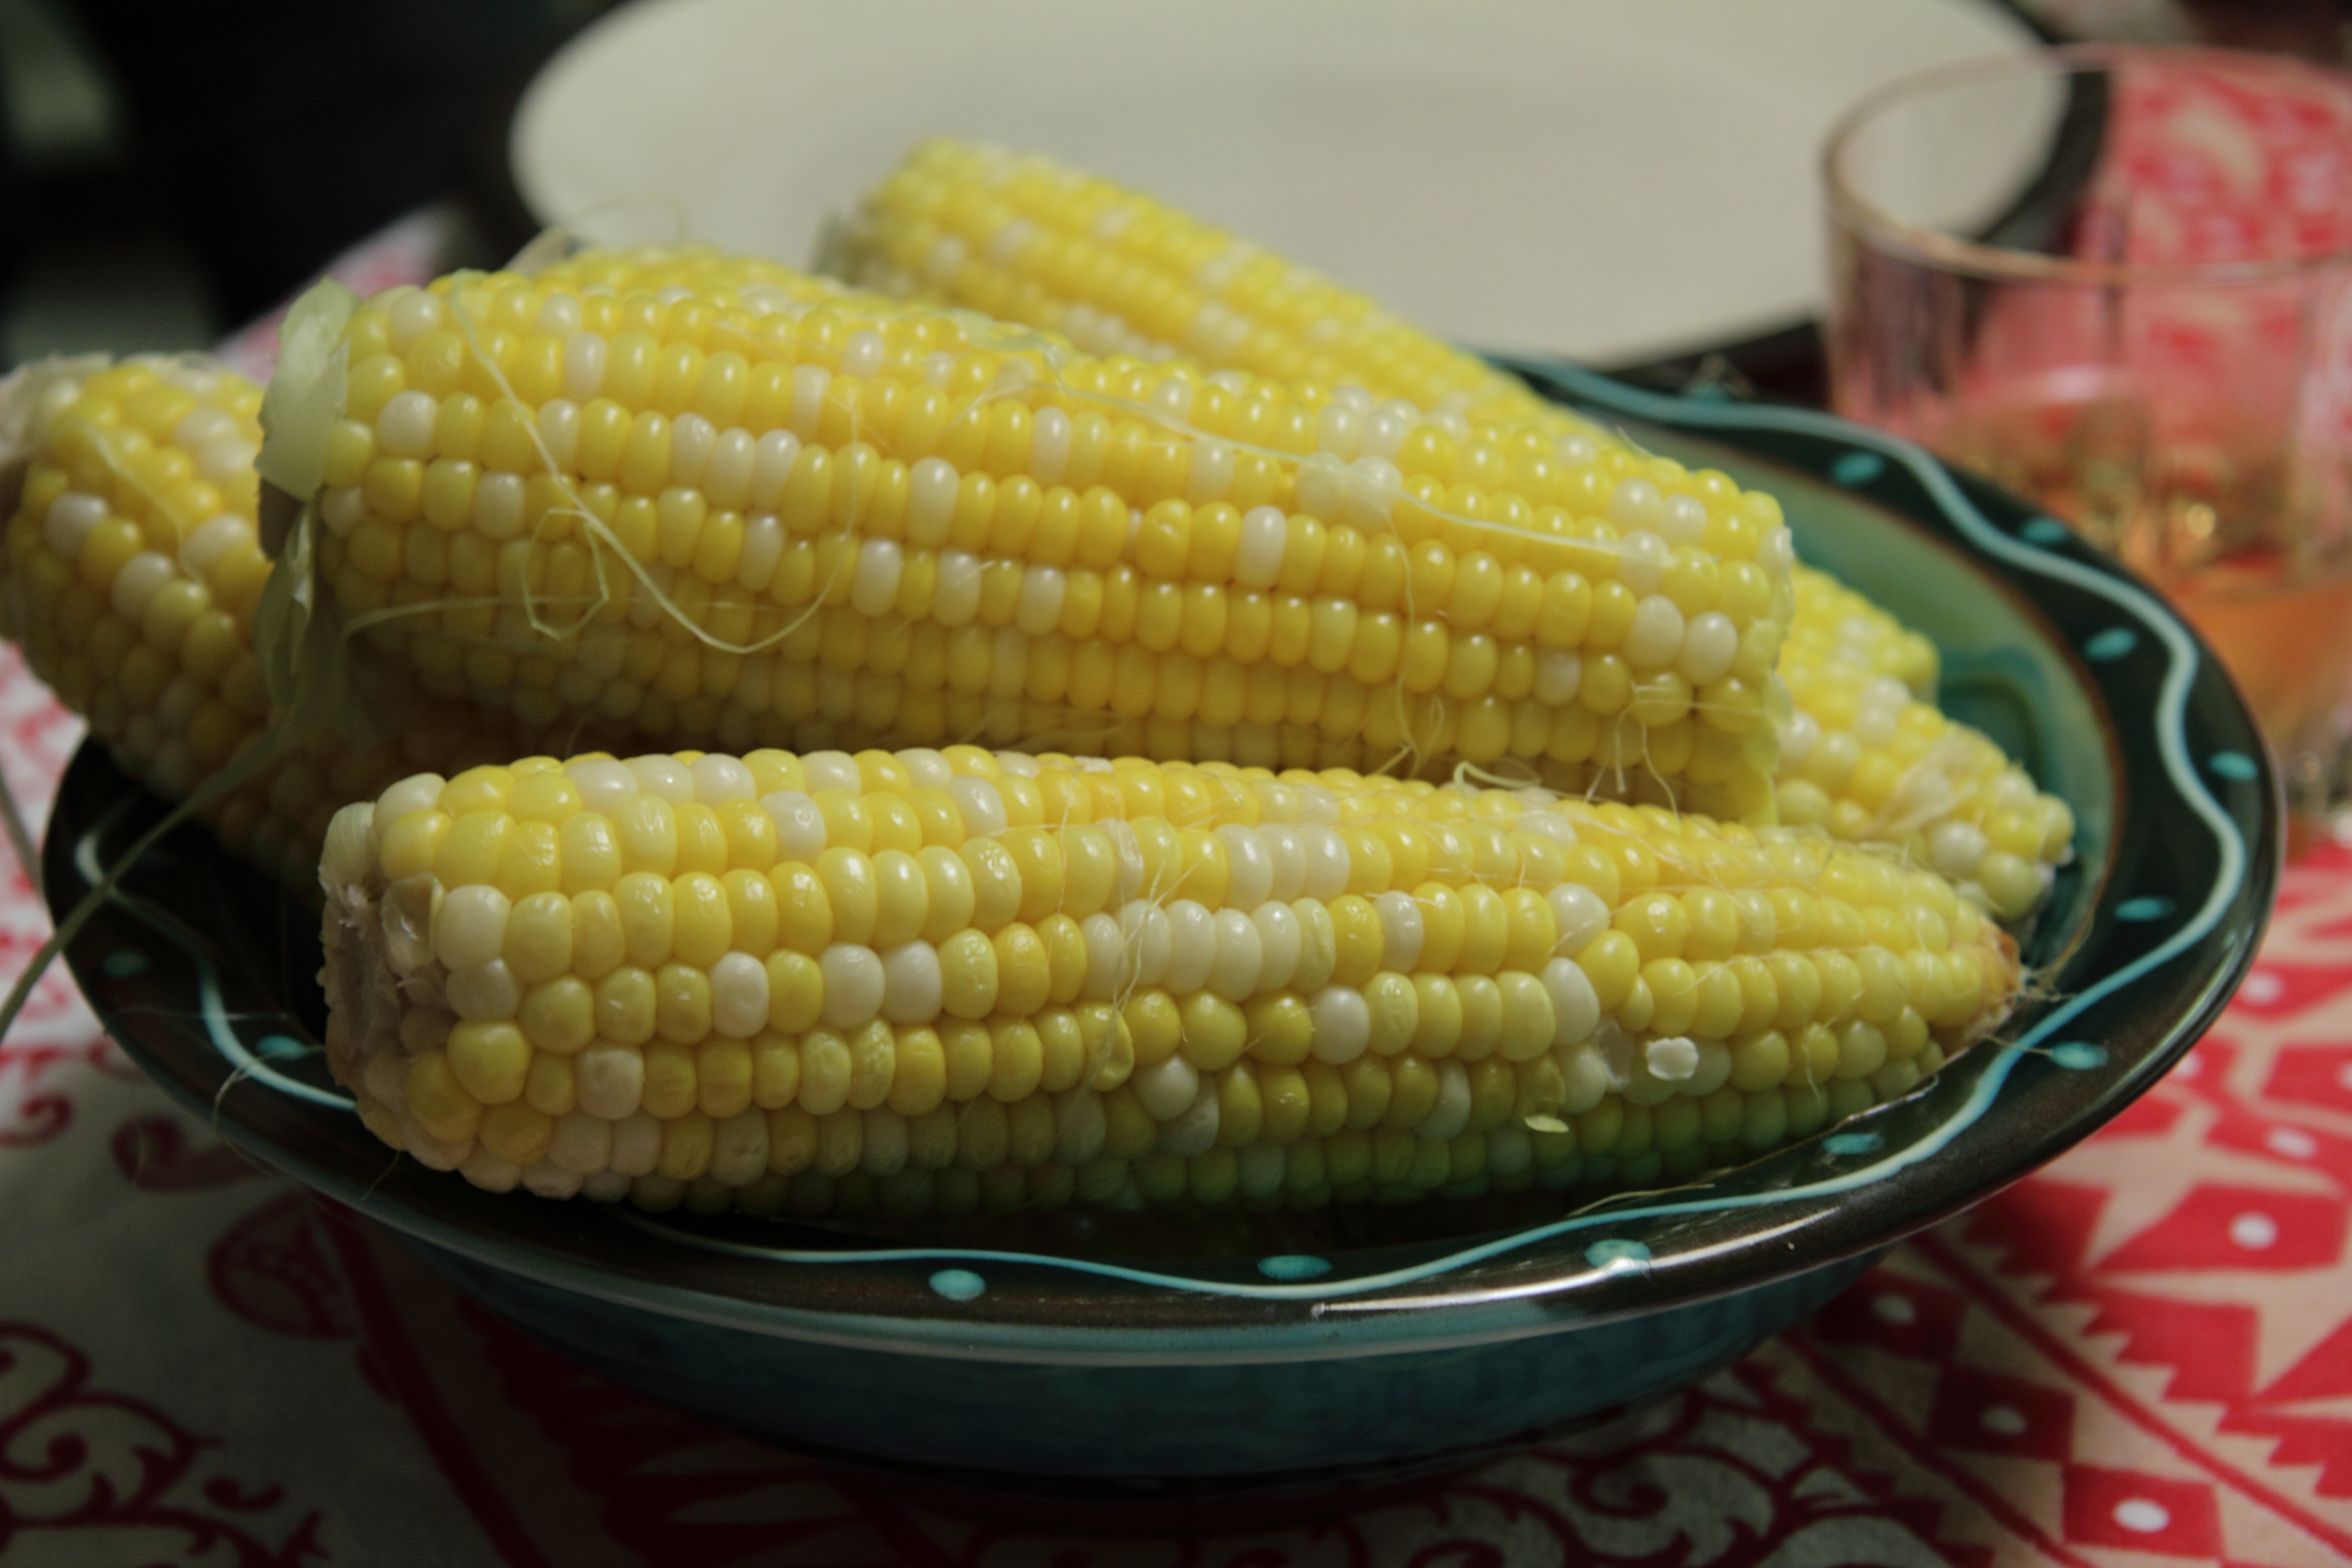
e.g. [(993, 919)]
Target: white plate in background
[(1611, 179)]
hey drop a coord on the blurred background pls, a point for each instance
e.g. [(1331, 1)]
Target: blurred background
[(170, 173)]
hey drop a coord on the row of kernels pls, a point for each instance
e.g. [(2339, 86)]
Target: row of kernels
[(851, 1162), (1242, 1105), (632, 1034), (920, 679), (1052, 577), (630, 964), (850, 1172)]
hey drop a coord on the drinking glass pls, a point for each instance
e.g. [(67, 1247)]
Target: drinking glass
[(2119, 281)]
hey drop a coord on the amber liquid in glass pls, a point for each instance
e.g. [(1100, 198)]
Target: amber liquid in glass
[(2214, 532)]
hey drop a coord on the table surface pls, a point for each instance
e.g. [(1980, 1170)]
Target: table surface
[(2141, 1355)]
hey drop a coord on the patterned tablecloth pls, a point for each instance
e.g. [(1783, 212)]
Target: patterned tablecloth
[(2142, 1354)]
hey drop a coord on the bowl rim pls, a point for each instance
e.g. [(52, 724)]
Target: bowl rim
[(1842, 1192)]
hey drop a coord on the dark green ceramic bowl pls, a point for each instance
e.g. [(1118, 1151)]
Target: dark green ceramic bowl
[(1087, 1357)]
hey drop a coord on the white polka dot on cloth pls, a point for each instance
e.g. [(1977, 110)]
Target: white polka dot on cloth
[(2253, 1230), (2292, 1142), (2143, 1516)]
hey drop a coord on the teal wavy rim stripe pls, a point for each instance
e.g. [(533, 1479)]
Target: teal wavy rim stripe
[(210, 1005), (2172, 743), (2180, 675)]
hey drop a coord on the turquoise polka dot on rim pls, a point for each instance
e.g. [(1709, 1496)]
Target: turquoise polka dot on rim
[(2111, 644), (1857, 468), (1292, 1266), (1616, 1254), (124, 963), (2143, 909), (281, 1046), (958, 1284), (2079, 1054), (2235, 766), (1853, 1143), (2045, 531)]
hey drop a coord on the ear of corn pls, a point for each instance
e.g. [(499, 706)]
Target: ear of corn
[(711, 513), (1025, 239), (131, 576), (1867, 757), (937, 982)]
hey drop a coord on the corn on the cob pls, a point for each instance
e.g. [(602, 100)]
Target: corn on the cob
[(1027, 240), (939, 982), (131, 576), (859, 524), (1868, 756)]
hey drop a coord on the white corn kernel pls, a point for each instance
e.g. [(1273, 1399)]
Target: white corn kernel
[(719, 779), (1194, 1130), (1654, 641), (778, 451), (69, 520), (874, 584), (911, 983), (1451, 1114), (484, 991), (1240, 957), (1278, 944), (1328, 864), (204, 544), (983, 807), (1249, 876), (800, 826), (138, 581), (1192, 945), (469, 925), (1637, 504), (739, 995), (604, 785), (1343, 1025), (403, 426), (1558, 673), (1166, 1089), (1582, 916), (1149, 937), (609, 1081), (1108, 957), (1265, 540), (1682, 520), (855, 984), (663, 775), (1401, 931)]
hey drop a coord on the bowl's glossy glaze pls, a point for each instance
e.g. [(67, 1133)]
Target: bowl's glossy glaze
[(1134, 1357)]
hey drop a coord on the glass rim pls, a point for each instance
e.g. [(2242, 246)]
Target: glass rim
[(1920, 242)]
